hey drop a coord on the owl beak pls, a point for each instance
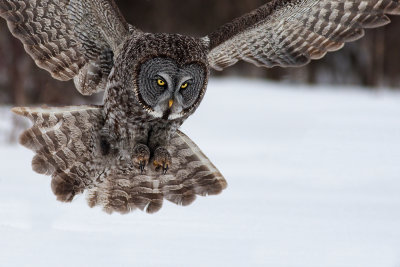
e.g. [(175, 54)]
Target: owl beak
[(170, 103)]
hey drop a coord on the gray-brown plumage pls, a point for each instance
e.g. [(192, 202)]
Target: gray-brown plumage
[(129, 152), (71, 39), (68, 146), (290, 33)]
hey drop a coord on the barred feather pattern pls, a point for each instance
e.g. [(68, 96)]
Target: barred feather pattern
[(68, 147), (290, 33), (72, 39)]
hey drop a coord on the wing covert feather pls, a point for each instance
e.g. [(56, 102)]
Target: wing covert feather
[(72, 39), (290, 33)]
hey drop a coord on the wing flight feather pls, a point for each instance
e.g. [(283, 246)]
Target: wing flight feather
[(290, 33)]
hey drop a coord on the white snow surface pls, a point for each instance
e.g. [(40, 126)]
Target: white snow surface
[(314, 180)]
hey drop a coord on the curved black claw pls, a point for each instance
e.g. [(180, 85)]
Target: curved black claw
[(165, 168), (162, 160), (140, 157), (142, 165)]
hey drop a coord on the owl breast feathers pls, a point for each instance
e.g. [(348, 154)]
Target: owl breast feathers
[(128, 153)]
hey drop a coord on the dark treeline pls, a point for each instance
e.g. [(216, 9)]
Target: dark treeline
[(373, 61)]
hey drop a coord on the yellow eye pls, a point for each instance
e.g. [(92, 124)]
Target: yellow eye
[(160, 82), (184, 86)]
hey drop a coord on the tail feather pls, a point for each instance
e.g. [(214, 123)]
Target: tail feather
[(67, 145)]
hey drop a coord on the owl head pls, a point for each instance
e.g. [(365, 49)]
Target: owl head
[(171, 75)]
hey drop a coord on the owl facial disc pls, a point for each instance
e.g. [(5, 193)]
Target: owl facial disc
[(167, 90)]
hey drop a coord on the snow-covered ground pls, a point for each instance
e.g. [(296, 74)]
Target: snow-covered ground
[(314, 180)]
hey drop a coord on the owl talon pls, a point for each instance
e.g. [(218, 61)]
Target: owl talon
[(142, 165), (162, 160), (141, 156), (165, 169)]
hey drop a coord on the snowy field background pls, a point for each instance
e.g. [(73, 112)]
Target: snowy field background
[(314, 180)]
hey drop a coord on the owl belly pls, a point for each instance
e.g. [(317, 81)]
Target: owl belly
[(145, 141), (124, 131)]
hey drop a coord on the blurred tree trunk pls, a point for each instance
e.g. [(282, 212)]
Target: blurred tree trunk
[(376, 67), (17, 73)]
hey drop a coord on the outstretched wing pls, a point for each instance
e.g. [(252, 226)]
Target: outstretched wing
[(69, 148), (72, 39), (290, 33)]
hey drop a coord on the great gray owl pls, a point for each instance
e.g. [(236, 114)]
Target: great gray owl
[(129, 152)]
